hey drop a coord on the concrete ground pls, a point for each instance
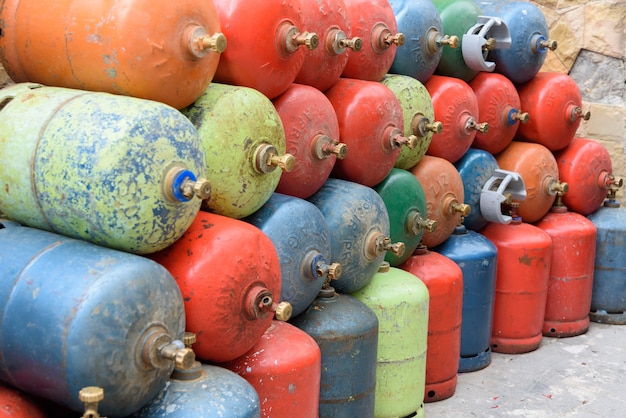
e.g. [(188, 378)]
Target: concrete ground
[(582, 376)]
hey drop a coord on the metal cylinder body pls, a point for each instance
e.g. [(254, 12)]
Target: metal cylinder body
[(16, 404)]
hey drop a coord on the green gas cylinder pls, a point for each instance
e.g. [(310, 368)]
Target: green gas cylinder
[(400, 301)]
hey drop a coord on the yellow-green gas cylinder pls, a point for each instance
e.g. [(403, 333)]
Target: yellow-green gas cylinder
[(400, 301), (244, 142)]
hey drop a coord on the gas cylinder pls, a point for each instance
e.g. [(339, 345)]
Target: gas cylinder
[(323, 66), (478, 34), (585, 165), (571, 271), (244, 142), (358, 223), (118, 171), (374, 23), (444, 280), (499, 107), (284, 367), (312, 138), (554, 102), (608, 298), (400, 301), (229, 274), (16, 404), (268, 58), (371, 125), (301, 238), (405, 201), (421, 24), (346, 331), (418, 115), (523, 273), (537, 166), (443, 188), (529, 39), (455, 105), (115, 318), (107, 48), (476, 167)]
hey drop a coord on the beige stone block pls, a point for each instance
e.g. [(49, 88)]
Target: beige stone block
[(547, 3), (616, 151), (565, 5), (604, 28), (568, 40), (607, 121)]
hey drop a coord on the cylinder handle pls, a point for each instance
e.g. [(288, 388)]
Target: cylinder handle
[(91, 396), (497, 193), (487, 34)]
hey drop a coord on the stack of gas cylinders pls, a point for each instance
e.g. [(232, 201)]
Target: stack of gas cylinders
[(289, 209)]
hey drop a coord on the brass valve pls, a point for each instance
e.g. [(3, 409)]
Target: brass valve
[(282, 311), (189, 339), (399, 39), (548, 44), (490, 45), (180, 184), (183, 357), (521, 116), (451, 41), (417, 223), (462, 208), (290, 38), (397, 248), (267, 159), (410, 141), (308, 39), (435, 127), (421, 125), (334, 271), (579, 113), (557, 187), (216, 42), (377, 243), (480, 127), (90, 396), (354, 44), (200, 188), (382, 38)]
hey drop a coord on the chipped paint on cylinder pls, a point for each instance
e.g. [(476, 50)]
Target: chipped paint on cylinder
[(400, 301), (95, 166), (346, 330), (16, 404), (102, 323), (523, 274), (444, 280), (224, 267), (417, 112), (284, 367), (233, 123), (571, 272)]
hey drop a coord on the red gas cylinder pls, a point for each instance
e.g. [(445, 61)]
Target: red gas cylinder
[(456, 107), (444, 280), (284, 367), (537, 167), (585, 165), (371, 125), (554, 101), (329, 19), (312, 137), (17, 404), (499, 106), (523, 271), (571, 272), (229, 274), (374, 23), (266, 44), (163, 51), (443, 188)]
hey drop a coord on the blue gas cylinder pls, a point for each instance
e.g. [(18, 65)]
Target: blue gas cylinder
[(608, 296), (421, 24), (476, 167), (529, 39), (346, 331), (115, 320), (358, 222), (477, 258), (300, 235)]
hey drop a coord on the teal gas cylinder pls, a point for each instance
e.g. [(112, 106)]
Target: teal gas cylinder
[(418, 115), (358, 222), (405, 201), (118, 171), (244, 142), (115, 319), (400, 301)]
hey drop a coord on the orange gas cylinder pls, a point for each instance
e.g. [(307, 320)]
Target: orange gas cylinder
[(329, 19), (266, 44), (499, 106), (164, 51), (229, 274), (284, 367), (443, 188), (371, 125), (374, 23), (312, 137), (523, 271), (554, 101), (537, 167), (585, 165), (444, 280), (456, 107), (17, 404), (571, 271)]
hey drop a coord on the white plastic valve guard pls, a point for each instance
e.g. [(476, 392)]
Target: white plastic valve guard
[(476, 37), (493, 194)]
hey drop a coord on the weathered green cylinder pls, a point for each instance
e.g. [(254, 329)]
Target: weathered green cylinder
[(118, 171), (244, 141), (400, 301), (418, 114)]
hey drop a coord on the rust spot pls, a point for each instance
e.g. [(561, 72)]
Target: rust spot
[(525, 259), (189, 252), (6, 188)]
